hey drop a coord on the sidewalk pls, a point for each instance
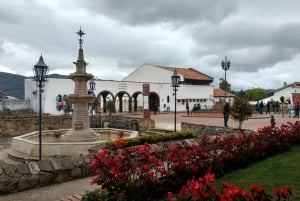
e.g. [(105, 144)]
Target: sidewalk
[(68, 191)]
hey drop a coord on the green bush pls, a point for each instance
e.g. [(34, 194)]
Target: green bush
[(97, 195)]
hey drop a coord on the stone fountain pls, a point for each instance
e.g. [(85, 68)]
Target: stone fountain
[(78, 139), (80, 131)]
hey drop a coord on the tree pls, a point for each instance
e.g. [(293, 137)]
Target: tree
[(255, 94), (224, 85), (240, 93), (110, 106), (240, 110)]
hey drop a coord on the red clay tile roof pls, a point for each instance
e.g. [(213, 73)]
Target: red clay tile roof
[(189, 73), (221, 93)]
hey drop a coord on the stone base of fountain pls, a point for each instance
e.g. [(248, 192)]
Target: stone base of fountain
[(83, 135), (58, 142)]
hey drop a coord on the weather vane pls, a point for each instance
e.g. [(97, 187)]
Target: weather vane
[(80, 34)]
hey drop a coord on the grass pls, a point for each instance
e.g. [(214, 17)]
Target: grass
[(276, 171)]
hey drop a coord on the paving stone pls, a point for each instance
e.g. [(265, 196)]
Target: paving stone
[(10, 170), (62, 163), (79, 160), (76, 172), (46, 178), (67, 163), (33, 167), (23, 169), (8, 184), (45, 165), (28, 182)]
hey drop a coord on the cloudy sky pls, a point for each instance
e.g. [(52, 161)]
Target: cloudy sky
[(261, 38)]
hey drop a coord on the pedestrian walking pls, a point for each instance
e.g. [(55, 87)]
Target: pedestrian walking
[(277, 107), (187, 107), (282, 108), (289, 108), (268, 106), (226, 111), (297, 109), (273, 123), (261, 107)]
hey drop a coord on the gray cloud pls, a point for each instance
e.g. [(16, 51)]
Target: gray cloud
[(136, 12), (250, 45)]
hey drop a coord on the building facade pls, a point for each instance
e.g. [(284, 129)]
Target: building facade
[(290, 92), (195, 88)]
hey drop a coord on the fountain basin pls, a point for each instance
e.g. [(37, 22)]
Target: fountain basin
[(26, 147)]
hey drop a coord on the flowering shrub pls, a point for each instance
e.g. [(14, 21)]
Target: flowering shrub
[(145, 172), (203, 189)]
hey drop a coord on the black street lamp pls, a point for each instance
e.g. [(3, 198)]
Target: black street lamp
[(225, 66), (175, 84), (92, 87), (40, 74)]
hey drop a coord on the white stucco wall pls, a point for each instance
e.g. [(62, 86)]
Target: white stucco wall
[(53, 87), (286, 93), (154, 74)]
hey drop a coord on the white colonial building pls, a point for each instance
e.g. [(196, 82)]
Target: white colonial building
[(290, 92), (195, 88)]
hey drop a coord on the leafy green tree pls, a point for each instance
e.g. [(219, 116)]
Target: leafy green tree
[(241, 93), (240, 110), (224, 85), (255, 94), (110, 106)]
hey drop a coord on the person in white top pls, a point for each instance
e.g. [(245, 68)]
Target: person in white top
[(290, 109)]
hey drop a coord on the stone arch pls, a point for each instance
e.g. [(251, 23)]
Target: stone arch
[(135, 100), (154, 102), (103, 97), (122, 100)]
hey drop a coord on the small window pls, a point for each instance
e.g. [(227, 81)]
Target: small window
[(168, 99)]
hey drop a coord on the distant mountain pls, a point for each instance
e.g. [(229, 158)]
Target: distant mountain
[(13, 84), (57, 76)]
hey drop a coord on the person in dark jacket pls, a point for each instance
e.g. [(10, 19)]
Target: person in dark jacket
[(226, 111), (297, 110), (187, 108)]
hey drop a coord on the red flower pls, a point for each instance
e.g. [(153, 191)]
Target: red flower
[(94, 164), (113, 170), (285, 192), (254, 188), (102, 154), (209, 178), (120, 143)]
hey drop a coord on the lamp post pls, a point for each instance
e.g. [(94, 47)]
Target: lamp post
[(40, 74), (225, 66), (175, 84), (92, 87)]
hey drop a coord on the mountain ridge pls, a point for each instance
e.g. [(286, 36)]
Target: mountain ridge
[(13, 84)]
